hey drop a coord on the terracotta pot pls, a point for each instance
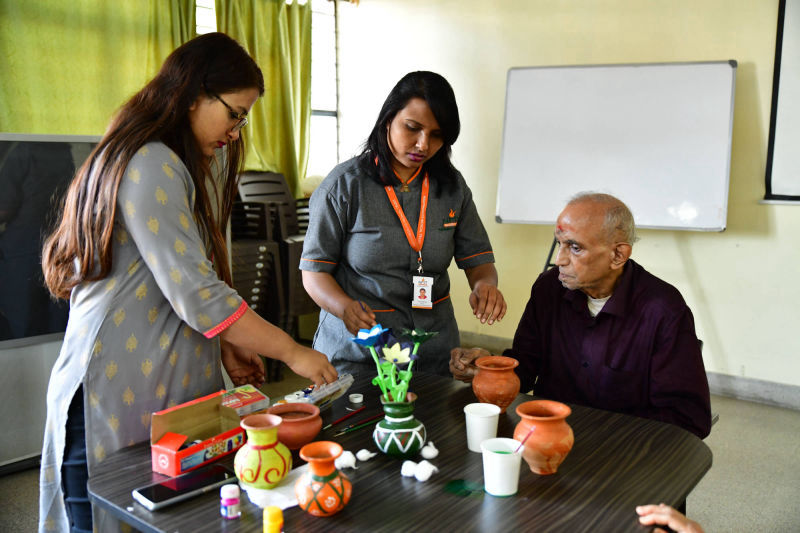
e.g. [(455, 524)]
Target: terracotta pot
[(399, 433), (496, 382), (301, 423), (552, 437), (263, 461), (323, 490)]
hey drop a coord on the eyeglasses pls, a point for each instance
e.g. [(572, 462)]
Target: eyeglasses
[(241, 118)]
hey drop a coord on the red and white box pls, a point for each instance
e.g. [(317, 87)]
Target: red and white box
[(193, 434)]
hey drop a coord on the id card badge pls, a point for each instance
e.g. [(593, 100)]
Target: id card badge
[(423, 292)]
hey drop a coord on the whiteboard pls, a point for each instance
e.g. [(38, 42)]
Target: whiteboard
[(657, 136)]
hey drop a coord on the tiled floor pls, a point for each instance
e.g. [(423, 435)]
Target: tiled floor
[(754, 484)]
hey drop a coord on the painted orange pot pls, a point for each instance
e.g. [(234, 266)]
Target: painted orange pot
[(551, 439), (496, 382), (322, 490), (263, 461), (301, 423)]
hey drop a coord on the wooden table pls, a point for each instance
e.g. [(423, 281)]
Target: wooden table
[(617, 462)]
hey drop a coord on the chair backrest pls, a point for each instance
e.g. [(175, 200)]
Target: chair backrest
[(270, 188)]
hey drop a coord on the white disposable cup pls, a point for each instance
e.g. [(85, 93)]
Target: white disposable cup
[(481, 423), (500, 466)]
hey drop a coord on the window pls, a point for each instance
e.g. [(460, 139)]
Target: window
[(205, 15), (324, 143)]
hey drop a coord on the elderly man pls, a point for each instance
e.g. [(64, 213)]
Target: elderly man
[(602, 331)]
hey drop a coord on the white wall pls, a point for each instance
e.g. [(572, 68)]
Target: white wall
[(741, 284), (24, 374)]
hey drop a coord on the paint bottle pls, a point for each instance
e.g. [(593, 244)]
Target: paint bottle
[(273, 519), (229, 501)]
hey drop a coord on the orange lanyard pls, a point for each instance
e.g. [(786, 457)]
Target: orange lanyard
[(415, 241)]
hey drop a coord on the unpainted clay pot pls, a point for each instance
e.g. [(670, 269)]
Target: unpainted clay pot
[(301, 423), (551, 439), (496, 382)]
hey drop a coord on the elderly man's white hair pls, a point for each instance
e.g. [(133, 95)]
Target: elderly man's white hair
[(618, 223)]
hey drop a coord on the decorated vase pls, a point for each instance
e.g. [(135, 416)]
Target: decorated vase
[(551, 439), (263, 461), (322, 490), (399, 434), (496, 382), (301, 422)]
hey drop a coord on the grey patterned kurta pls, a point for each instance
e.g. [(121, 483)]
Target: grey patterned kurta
[(355, 235), (142, 339)]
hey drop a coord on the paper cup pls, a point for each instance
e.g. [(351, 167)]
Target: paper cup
[(500, 466), (481, 423)]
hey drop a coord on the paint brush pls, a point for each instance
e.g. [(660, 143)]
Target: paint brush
[(521, 444), (348, 415), (358, 425)]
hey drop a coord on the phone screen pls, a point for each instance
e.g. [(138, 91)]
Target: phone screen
[(183, 486)]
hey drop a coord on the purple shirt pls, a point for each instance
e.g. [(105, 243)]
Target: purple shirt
[(639, 356)]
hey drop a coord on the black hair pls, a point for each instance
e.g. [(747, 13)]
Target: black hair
[(439, 96)]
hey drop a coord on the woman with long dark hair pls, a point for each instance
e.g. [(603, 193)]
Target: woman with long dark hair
[(140, 253), (388, 223)]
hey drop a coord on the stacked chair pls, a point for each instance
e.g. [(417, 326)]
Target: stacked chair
[(284, 225)]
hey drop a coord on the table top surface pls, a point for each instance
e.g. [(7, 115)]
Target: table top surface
[(617, 463)]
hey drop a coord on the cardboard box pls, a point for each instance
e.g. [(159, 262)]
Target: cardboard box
[(246, 400), (211, 429)]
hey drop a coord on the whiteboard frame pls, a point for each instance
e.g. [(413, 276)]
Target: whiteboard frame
[(782, 173), (720, 183)]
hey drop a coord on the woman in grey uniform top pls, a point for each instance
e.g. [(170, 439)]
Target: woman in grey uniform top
[(140, 252), (387, 224)]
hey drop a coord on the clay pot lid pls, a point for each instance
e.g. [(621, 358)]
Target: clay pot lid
[(309, 408)]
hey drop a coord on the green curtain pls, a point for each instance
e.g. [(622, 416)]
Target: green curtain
[(67, 65), (278, 36)]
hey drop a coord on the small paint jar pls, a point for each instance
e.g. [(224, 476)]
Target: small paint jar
[(229, 501)]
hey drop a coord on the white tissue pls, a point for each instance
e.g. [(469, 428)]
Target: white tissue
[(346, 460), (424, 471), (408, 468), (365, 455), (429, 451)]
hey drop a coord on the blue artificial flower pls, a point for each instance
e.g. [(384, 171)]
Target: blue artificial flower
[(370, 337)]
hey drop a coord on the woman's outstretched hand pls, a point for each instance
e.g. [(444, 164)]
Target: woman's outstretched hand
[(311, 364)]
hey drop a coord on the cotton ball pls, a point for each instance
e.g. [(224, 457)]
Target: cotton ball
[(424, 471), (365, 455), (408, 468), (429, 451), (346, 460)]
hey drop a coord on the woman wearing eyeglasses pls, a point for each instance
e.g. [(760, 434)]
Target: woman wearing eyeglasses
[(140, 253), (387, 224)]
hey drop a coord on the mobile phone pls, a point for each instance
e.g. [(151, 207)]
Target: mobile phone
[(158, 495)]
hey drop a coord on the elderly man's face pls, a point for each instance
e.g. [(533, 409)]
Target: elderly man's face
[(585, 258)]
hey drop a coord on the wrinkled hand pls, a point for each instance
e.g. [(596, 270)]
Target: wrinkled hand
[(311, 364), (356, 317), (487, 302), (664, 515), (244, 367), (462, 362)]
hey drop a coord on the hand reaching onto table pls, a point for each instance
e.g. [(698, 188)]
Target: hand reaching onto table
[(462, 362)]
